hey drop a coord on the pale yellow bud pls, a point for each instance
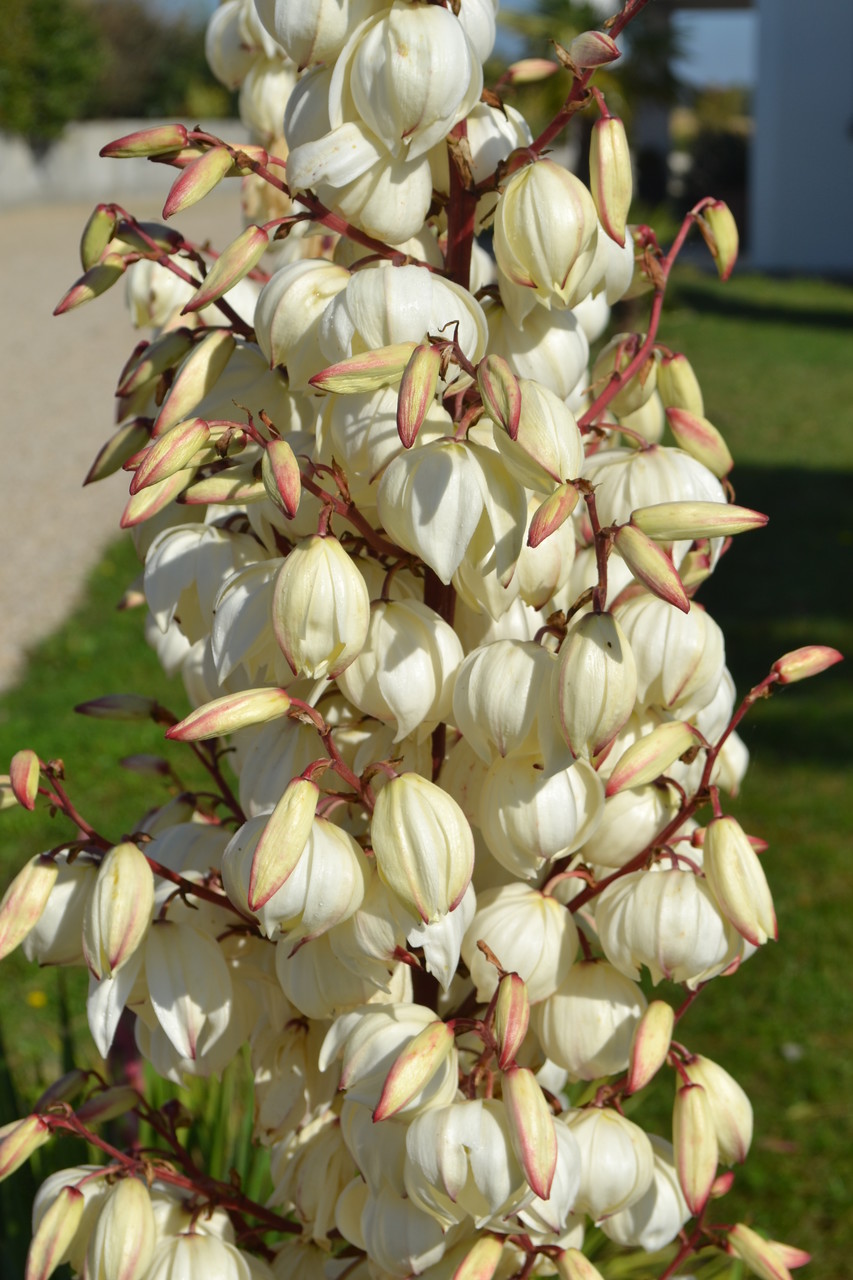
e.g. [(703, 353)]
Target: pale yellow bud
[(19, 1140), (719, 231), (651, 756), (768, 1259), (231, 712), (54, 1234), (800, 664), (531, 1128), (574, 1265), (196, 377), (414, 1068), (122, 1244), (615, 358), (610, 175), (695, 1140), (512, 1017), (118, 913), (701, 439), (678, 385), (738, 882), (650, 1044), (25, 900), (731, 1110), (670, 521), (283, 841)]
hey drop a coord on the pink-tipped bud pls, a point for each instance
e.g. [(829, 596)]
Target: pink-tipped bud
[(738, 882), (107, 1104), (120, 706), (119, 910), (24, 777), (531, 1127), (97, 280), (236, 484), (731, 1109), (530, 70), (53, 1236), (170, 453), (19, 1140), (801, 664), (121, 446), (146, 142), (649, 757), (500, 393), (283, 840), (610, 176), (149, 502), (233, 263), (413, 1069), (650, 1044), (574, 1265), (25, 900), (231, 712), (701, 439), (97, 234), (723, 1184), (719, 231), (197, 180), (195, 378), (672, 521), (366, 372), (125, 1233), (512, 1018), (553, 513), (65, 1089), (163, 353), (481, 1260), (695, 1141), (768, 1259), (593, 49), (678, 385), (282, 477), (650, 564), (417, 392)]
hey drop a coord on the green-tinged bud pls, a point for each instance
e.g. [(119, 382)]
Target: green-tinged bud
[(54, 1234), (25, 900), (481, 1261), (801, 664), (122, 1243), (119, 910), (417, 392), (136, 237), (120, 706), (593, 49), (610, 176), (19, 1140), (146, 142), (233, 263), (672, 521), (701, 439), (163, 353), (695, 1140), (531, 1127), (678, 385), (553, 513), (615, 359), (512, 1018), (365, 372), (574, 1265), (102, 276), (530, 70), (150, 502), (719, 231), (650, 565), (107, 1104), (768, 1259), (65, 1089), (596, 684), (195, 378), (170, 453), (731, 1110), (236, 483), (24, 777), (197, 180), (283, 841), (738, 882), (281, 477), (500, 393), (97, 234), (423, 845), (111, 457), (413, 1069), (650, 1044), (231, 712), (649, 757)]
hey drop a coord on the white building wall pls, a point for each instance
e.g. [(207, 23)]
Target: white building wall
[(801, 183)]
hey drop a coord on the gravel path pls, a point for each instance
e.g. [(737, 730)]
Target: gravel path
[(58, 378)]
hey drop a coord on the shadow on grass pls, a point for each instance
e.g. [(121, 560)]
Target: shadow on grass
[(712, 301), (784, 587)]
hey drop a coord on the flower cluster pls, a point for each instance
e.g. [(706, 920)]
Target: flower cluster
[(429, 576)]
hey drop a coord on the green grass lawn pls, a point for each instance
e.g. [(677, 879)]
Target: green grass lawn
[(774, 361)]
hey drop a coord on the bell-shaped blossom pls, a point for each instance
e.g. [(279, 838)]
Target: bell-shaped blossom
[(290, 309), (94, 1191), (530, 933), (315, 30), (587, 1024), (547, 446), (189, 985), (460, 1161), (266, 87), (738, 882), (197, 1256), (185, 567), (629, 823), (553, 1215), (680, 657), (400, 1236), (228, 47), (309, 1172), (550, 348), (378, 1149), (496, 696), (441, 941), (653, 1221), (122, 1242), (320, 608), (56, 938), (595, 683), (288, 1088), (321, 986), (617, 1161), (668, 921)]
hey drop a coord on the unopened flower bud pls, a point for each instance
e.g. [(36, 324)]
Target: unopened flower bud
[(107, 1104), (156, 141), (553, 513), (615, 359), (768, 1259), (500, 393), (25, 900), (610, 175), (573, 1265), (320, 608), (678, 385), (701, 439), (197, 180), (97, 234), (414, 1068), (530, 70), (417, 391), (231, 712), (695, 1140), (719, 231), (367, 371), (97, 280), (738, 882), (731, 1110), (587, 1024), (801, 664), (671, 521), (595, 684), (649, 757), (283, 841), (423, 845), (482, 1259), (54, 1234), (65, 1089), (119, 706), (233, 263), (650, 564), (531, 1128), (617, 1161), (170, 452), (593, 49), (197, 375), (19, 1140), (122, 1243), (512, 1017), (24, 777), (281, 476), (650, 1044), (163, 353), (118, 913)]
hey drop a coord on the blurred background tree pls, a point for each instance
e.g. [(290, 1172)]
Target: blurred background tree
[(51, 57)]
